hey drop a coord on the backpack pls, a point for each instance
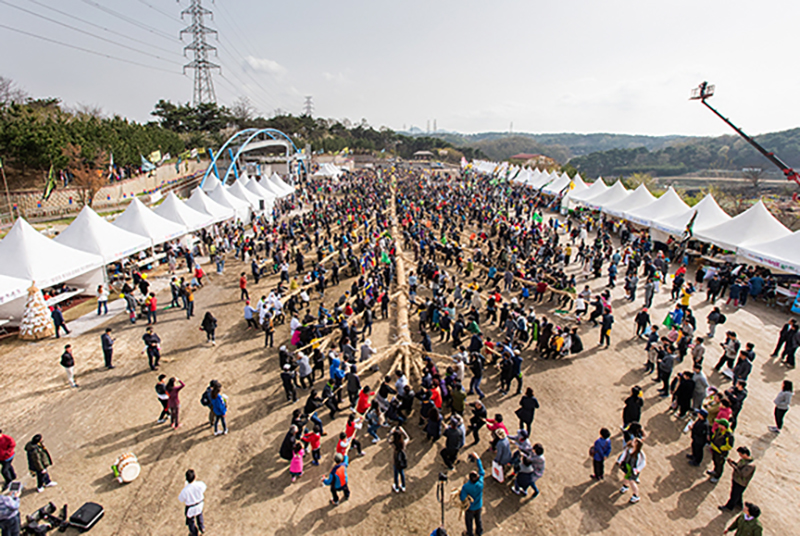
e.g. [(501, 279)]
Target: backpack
[(722, 319), (205, 399)]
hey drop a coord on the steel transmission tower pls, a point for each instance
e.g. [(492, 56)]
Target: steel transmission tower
[(203, 85), (308, 106)]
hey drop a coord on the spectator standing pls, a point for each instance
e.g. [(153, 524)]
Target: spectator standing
[(39, 461), (192, 496), (599, 452), (7, 446), (743, 472), (174, 385), (107, 343), (102, 300), (209, 325), (163, 398), (701, 432), (68, 362), (528, 405), (472, 491), (152, 344), (632, 461), (747, 523), (337, 479), (399, 439), (9, 514), (782, 403), (58, 321)]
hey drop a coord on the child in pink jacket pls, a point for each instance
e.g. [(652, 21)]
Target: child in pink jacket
[(296, 465)]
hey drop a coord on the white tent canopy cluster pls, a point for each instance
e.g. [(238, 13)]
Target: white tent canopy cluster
[(755, 234), (329, 170), (78, 254)]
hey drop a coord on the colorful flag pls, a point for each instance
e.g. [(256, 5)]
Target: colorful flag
[(49, 185)]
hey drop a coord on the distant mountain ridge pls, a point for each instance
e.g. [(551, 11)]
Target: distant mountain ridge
[(621, 154)]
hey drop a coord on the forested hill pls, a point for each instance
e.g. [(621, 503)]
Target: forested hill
[(695, 154), (561, 147)]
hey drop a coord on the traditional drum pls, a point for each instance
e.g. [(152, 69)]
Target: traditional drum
[(127, 467)]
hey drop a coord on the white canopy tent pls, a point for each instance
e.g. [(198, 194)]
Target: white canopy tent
[(708, 212), (200, 202), (211, 182), (177, 211), (281, 184), (27, 255), (270, 187), (139, 219), (12, 288), (617, 192), (240, 192), (268, 197), (593, 190), (782, 254), (669, 203), (752, 227), (555, 187), (93, 234), (640, 197), (221, 195)]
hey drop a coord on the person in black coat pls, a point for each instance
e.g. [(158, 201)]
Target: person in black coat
[(633, 407), (287, 447), (528, 405), (700, 434), (684, 393)]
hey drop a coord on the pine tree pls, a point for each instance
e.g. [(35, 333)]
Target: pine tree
[(36, 322)]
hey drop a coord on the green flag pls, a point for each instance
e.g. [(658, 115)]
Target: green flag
[(537, 217), (385, 258), (50, 185)]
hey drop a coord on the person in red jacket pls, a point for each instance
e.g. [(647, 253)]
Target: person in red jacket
[(152, 308), (363, 400), (7, 445)]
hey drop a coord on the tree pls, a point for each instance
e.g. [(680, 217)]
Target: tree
[(754, 175), (10, 93), (242, 112), (88, 172)]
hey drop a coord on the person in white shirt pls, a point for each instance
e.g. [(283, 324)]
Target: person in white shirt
[(192, 496)]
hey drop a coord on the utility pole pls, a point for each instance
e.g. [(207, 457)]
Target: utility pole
[(434, 127), (203, 85), (308, 106)]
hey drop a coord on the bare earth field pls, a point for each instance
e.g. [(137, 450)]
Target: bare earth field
[(249, 487)]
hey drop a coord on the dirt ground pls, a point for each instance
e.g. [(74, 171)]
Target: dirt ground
[(249, 488)]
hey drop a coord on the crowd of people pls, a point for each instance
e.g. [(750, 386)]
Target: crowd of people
[(494, 287)]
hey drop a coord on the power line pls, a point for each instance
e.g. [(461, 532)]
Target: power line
[(129, 20), (116, 34), (79, 30), (166, 14), (86, 49)]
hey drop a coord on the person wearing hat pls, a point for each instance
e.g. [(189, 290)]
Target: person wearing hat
[(700, 436), (747, 523), (743, 472), (721, 443)]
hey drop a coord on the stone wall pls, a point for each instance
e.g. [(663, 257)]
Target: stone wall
[(64, 202)]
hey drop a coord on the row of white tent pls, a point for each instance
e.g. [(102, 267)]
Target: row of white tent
[(79, 253), (754, 235), (329, 170)]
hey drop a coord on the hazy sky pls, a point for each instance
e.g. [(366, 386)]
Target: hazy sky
[(557, 66)]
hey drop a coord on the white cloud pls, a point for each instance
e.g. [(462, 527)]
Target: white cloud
[(266, 65)]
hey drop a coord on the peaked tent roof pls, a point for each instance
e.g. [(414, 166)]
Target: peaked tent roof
[(555, 187), (782, 254), (709, 214), (665, 206), (140, 220), (615, 193), (237, 190), (177, 211), (200, 202), (270, 187), (593, 190), (753, 226), (211, 182), (255, 188), (27, 255), (93, 234), (221, 195), (12, 288), (639, 198), (282, 184)]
